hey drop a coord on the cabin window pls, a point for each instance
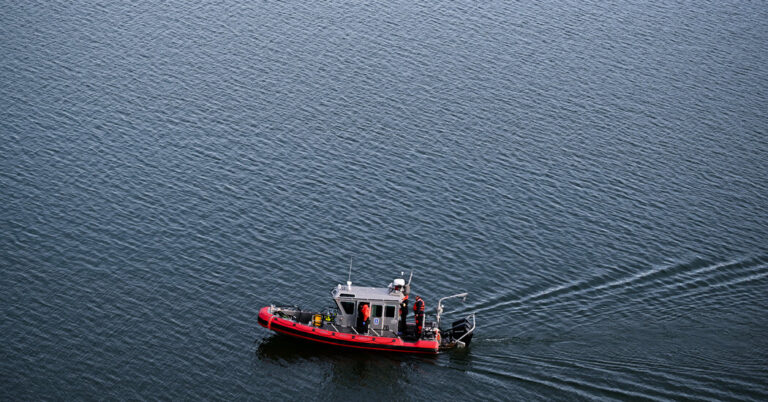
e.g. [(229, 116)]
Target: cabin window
[(377, 311), (349, 307), (390, 312)]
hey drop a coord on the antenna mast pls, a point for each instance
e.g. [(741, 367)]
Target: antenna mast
[(349, 278)]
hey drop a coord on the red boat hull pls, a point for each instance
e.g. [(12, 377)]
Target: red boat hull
[(310, 333)]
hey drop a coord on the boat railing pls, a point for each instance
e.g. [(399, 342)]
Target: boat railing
[(440, 304)]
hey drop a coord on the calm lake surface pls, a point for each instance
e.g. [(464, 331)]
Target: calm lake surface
[(594, 173)]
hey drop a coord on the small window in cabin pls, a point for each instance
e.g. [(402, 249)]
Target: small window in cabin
[(349, 307), (390, 312), (377, 311)]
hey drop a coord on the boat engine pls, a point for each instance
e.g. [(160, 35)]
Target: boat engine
[(460, 334), (462, 330)]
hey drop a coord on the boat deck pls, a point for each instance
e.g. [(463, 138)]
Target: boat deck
[(306, 318)]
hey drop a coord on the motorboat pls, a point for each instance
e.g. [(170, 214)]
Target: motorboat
[(386, 329)]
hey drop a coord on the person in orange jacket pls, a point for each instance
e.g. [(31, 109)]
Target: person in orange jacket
[(418, 311), (366, 311)]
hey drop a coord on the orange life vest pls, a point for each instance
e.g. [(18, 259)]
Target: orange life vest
[(418, 307)]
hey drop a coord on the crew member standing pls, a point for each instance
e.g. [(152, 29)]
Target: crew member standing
[(418, 311), (366, 310), (403, 315)]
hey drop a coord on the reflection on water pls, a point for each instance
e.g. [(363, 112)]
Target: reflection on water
[(380, 372)]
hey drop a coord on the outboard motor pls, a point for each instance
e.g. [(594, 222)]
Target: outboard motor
[(463, 328)]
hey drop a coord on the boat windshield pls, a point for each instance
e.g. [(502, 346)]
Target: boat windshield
[(348, 306)]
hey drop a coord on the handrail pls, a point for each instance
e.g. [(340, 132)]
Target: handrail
[(440, 304)]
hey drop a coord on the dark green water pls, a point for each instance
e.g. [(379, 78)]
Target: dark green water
[(593, 174)]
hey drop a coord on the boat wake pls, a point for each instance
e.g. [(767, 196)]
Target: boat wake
[(663, 293), (688, 330)]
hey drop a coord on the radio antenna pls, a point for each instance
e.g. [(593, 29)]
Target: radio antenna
[(349, 278)]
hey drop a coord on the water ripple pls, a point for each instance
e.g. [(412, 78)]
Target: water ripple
[(591, 173)]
